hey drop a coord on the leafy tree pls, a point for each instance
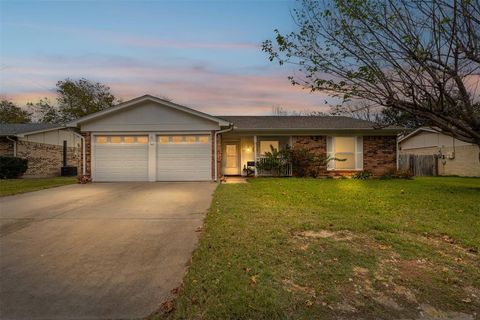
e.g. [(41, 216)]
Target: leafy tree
[(11, 113), (78, 98), (75, 99), (45, 111), (420, 58)]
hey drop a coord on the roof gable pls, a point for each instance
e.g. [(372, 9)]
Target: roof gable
[(417, 131), (141, 100)]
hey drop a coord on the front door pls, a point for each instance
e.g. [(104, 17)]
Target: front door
[(231, 159)]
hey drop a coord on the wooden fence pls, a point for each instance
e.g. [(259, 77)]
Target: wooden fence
[(419, 165)]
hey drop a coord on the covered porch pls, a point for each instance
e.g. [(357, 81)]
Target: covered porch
[(245, 155)]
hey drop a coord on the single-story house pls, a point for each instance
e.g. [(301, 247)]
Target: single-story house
[(455, 157), (42, 145), (150, 139)]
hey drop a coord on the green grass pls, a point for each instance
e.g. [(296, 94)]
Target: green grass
[(14, 186), (376, 249)]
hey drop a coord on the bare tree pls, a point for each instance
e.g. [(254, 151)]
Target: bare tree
[(420, 57), (380, 116), (280, 111)]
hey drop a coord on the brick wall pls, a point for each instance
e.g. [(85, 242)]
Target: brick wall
[(45, 160), (212, 142), (88, 154), (314, 144), (6, 147), (219, 156), (379, 154)]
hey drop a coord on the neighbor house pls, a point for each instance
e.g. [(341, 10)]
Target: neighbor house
[(42, 145), (150, 139), (453, 156)]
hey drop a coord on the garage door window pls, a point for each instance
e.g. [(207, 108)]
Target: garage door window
[(121, 139), (183, 139), (101, 140)]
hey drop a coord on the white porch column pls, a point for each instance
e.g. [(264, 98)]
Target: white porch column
[(152, 157), (255, 153)]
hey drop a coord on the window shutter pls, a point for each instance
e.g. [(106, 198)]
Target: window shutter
[(330, 152), (359, 153)]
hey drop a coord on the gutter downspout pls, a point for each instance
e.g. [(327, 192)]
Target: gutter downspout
[(14, 145), (84, 170), (230, 128)]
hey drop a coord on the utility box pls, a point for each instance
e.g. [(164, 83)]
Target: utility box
[(69, 171)]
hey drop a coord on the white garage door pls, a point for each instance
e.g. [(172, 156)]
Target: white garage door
[(184, 158), (120, 158)]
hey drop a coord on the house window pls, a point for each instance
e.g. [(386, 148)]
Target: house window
[(266, 146), (349, 151)]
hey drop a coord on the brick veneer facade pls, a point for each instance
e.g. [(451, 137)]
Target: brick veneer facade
[(219, 156), (44, 160), (314, 144), (88, 153), (379, 153)]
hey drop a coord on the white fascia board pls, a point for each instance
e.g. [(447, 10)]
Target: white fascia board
[(416, 131)]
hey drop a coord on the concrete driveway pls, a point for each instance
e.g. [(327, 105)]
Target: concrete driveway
[(97, 251)]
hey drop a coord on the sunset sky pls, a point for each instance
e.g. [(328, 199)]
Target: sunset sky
[(203, 54)]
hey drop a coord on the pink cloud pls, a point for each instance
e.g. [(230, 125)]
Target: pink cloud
[(203, 88)]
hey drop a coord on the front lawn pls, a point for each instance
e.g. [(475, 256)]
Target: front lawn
[(14, 186), (328, 249)]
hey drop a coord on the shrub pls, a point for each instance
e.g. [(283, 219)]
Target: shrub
[(362, 175), (84, 179), (12, 167), (304, 162)]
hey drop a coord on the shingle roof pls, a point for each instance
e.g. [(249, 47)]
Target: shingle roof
[(301, 122), (7, 129)]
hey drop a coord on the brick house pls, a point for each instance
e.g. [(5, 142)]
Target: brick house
[(150, 139), (42, 145)]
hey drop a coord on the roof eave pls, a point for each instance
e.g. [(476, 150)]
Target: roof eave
[(28, 133), (393, 130)]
